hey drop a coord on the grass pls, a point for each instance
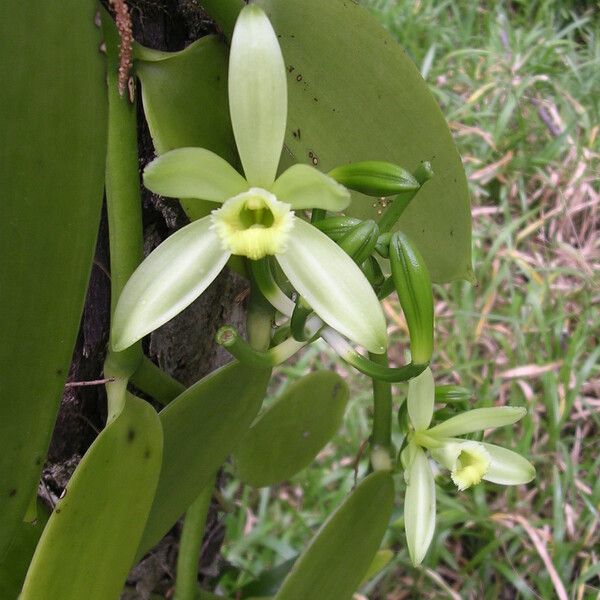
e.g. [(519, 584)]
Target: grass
[(519, 85)]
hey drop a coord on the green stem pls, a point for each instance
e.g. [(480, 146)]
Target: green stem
[(298, 320), (155, 382), (373, 369), (190, 546), (259, 319), (390, 217), (224, 13), (124, 206), (382, 405), (230, 339), (263, 277)]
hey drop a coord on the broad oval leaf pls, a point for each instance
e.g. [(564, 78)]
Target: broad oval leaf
[(354, 95), (91, 538), (339, 556), (288, 436), (52, 161), (201, 427)]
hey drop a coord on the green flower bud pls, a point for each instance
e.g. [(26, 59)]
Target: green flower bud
[(336, 227), (375, 178), (373, 272), (412, 282), (360, 241)]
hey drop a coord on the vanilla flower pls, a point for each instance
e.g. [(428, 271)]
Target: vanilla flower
[(256, 218), (468, 461)]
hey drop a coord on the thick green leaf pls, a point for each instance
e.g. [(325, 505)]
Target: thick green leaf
[(201, 427), (339, 556), (354, 95), (16, 561), (91, 538), (53, 132), (289, 435), (185, 103)]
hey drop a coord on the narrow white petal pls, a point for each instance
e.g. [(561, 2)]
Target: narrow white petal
[(478, 419), (170, 279), (507, 467), (257, 95), (421, 396), (334, 286), (193, 173), (303, 186), (419, 507)]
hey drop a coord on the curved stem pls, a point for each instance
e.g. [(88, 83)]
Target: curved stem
[(366, 366), (229, 338), (298, 321), (259, 317), (190, 546), (155, 382), (263, 276)]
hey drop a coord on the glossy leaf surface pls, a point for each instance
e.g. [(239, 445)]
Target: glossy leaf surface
[(288, 436), (91, 538), (354, 95), (201, 427), (340, 554), (52, 159)]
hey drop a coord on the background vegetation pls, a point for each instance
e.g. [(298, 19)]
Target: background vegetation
[(518, 83)]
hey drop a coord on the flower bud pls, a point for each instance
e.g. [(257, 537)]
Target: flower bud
[(373, 272), (412, 282), (375, 178), (336, 227), (360, 241)]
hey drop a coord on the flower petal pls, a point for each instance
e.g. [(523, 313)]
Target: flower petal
[(419, 507), (507, 467), (303, 186), (477, 420), (334, 286), (193, 173), (257, 95), (421, 395), (170, 279)]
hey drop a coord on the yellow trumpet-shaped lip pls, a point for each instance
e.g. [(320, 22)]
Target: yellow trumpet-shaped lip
[(253, 224), (471, 464)]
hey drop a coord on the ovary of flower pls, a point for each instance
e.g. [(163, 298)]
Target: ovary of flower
[(253, 224), (256, 217)]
